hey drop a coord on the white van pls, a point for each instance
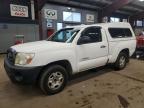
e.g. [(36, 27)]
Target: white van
[(69, 51)]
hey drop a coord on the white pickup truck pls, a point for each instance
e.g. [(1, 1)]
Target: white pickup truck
[(69, 51)]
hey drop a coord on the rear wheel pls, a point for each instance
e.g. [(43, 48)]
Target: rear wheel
[(121, 61), (53, 79)]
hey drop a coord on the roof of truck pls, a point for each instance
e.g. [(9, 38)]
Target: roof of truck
[(115, 24)]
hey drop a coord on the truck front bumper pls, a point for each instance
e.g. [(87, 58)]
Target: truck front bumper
[(24, 75)]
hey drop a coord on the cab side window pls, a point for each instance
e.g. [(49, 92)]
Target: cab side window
[(94, 34)]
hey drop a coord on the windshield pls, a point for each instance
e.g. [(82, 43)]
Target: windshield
[(64, 35)]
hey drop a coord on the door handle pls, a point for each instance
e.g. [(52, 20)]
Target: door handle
[(103, 46)]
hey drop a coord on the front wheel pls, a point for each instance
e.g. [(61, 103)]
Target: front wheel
[(121, 61), (53, 79)]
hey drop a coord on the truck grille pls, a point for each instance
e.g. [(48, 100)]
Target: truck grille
[(11, 54)]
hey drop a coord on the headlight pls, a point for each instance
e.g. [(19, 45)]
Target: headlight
[(23, 58)]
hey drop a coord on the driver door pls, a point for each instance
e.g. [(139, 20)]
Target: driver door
[(92, 49)]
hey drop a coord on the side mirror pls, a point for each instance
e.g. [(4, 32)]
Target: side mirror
[(84, 40)]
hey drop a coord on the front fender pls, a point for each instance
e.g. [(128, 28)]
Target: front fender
[(43, 58)]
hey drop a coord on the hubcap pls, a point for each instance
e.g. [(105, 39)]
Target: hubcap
[(122, 61), (55, 80)]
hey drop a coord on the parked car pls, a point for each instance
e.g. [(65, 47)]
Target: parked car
[(140, 46), (71, 50), (140, 42)]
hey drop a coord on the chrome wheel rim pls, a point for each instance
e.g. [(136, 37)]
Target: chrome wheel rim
[(122, 61), (55, 80)]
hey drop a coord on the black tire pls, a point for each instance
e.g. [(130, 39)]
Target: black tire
[(44, 82), (118, 65)]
